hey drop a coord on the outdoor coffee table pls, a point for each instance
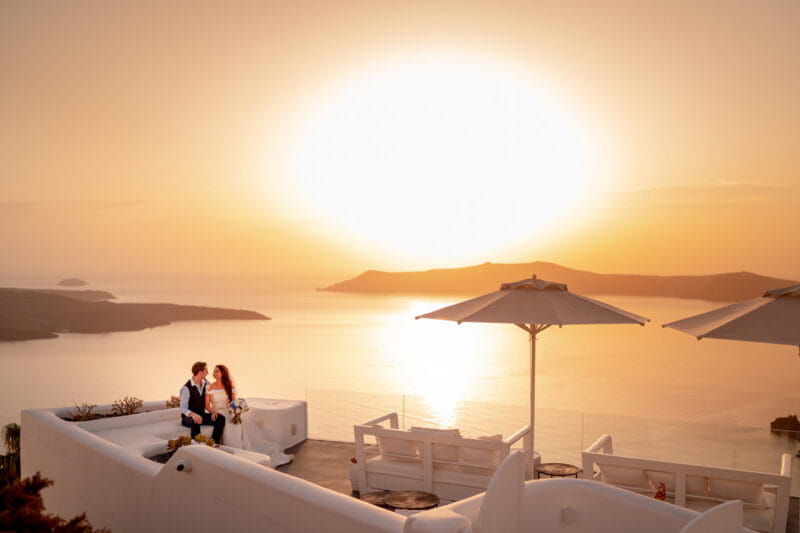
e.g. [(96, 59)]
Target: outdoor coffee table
[(375, 498), (414, 500), (558, 470)]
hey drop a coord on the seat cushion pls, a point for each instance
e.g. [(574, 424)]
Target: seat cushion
[(382, 465), (398, 450), (761, 519), (624, 475), (441, 452), (731, 489), (479, 461), (467, 478), (757, 519), (696, 485)]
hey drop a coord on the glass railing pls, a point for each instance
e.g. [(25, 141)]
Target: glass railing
[(561, 436)]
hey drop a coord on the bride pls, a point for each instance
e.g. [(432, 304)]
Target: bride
[(247, 434)]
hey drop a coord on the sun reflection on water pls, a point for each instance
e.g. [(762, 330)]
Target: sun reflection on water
[(442, 363)]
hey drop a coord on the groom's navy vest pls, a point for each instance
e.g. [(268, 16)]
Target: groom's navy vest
[(197, 401)]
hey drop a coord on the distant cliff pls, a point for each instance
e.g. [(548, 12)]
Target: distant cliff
[(487, 277), (86, 295), (42, 314)]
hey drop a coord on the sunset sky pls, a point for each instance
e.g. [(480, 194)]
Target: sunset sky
[(269, 138)]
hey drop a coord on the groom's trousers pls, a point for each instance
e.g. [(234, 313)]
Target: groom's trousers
[(219, 425)]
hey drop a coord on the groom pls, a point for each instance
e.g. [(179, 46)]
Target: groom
[(193, 404)]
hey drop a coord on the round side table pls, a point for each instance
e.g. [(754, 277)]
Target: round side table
[(411, 500), (558, 470)]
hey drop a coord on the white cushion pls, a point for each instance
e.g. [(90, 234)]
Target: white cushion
[(441, 452), (701, 506), (757, 519), (382, 465), (479, 460), (696, 485), (392, 448), (624, 475), (761, 519), (460, 477), (730, 489)]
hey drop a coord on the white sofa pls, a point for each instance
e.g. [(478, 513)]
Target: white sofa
[(765, 496), (434, 460), (283, 422)]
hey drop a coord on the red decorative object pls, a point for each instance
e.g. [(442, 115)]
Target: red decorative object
[(353, 460), (661, 494)]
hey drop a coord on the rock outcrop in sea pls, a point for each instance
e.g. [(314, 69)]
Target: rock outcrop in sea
[(71, 282)]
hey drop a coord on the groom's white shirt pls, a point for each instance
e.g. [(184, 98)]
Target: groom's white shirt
[(185, 395)]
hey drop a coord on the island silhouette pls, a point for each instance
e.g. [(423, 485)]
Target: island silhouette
[(71, 282), (487, 277), (27, 314)]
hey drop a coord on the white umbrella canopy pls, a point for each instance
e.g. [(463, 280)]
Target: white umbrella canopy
[(534, 305), (773, 318)]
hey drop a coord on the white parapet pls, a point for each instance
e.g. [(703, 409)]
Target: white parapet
[(101, 468), (120, 489)]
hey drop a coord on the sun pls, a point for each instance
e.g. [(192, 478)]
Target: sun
[(438, 159)]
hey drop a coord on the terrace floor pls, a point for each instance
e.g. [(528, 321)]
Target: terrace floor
[(324, 463)]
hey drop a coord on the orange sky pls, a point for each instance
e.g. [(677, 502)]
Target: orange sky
[(153, 137)]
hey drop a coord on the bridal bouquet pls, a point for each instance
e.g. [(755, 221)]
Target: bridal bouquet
[(237, 408)]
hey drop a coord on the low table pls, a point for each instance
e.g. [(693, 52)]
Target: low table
[(557, 470), (376, 498), (414, 500)]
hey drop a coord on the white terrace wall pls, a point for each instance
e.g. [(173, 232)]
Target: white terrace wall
[(581, 506), (90, 474), (125, 492), (594, 509), (233, 495)]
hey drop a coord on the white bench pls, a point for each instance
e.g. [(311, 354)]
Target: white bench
[(433, 460), (148, 432), (765, 496)]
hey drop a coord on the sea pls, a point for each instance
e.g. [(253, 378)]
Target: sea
[(661, 394)]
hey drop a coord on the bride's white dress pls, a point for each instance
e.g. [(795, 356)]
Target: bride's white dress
[(246, 435)]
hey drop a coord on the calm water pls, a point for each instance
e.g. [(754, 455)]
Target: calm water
[(353, 357)]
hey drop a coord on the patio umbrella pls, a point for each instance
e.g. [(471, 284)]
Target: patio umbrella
[(773, 318), (534, 305)]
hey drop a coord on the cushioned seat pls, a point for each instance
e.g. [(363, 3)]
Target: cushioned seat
[(148, 433), (765, 496), (383, 465), (457, 477), (170, 430), (431, 459)]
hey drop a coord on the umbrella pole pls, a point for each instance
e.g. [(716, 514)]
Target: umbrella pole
[(533, 398)]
